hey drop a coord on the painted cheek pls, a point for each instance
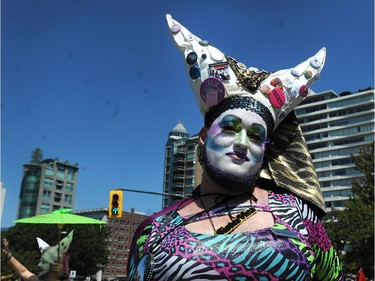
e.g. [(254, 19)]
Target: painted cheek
[(213, 145), (255, 159), (258, 154), (215, 129)]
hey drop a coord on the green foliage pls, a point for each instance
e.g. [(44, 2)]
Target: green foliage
[(88, 248), (363, 187), (356, 223), (86, 252), (36, 156)]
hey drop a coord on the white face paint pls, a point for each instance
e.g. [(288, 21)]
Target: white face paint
[(50, 254), (236, 142), (44, 264)]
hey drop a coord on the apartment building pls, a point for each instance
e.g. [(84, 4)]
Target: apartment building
[(335, 126), (47, 186), (182, 171)]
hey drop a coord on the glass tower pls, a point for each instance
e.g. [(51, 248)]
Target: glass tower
[(182, 172)]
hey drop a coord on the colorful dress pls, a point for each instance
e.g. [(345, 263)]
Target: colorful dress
[(295, 248)]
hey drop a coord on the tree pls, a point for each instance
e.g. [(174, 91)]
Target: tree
[(36, 156), (355, 224), (88, 249)]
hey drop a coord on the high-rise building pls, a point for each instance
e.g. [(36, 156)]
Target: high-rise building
[(335, 127), (182, 171), (46, 187)]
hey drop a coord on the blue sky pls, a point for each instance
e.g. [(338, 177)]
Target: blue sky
[(102, 84)]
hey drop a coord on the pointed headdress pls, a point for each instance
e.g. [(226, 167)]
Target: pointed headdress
[(220, 82), (52, 254)]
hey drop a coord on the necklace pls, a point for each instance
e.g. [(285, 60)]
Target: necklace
[(145, 266), (208, 213), (240, 218), (236, 221)]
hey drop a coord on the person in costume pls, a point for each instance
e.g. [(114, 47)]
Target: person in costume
[(53, 264), (257, 213), (360, 276)]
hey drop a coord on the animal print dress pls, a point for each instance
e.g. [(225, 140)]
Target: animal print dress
[(295, 248)]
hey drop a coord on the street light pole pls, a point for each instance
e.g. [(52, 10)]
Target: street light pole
[(151, 192)]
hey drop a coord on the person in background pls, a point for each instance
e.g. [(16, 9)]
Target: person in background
[(257, 213), (55, 272), (360, 275), (51, 267)]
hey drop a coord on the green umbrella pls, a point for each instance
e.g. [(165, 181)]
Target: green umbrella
[(60, 217)]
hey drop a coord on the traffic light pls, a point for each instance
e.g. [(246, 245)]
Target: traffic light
[(115, 204)]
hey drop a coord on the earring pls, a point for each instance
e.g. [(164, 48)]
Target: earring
[(200, 154)]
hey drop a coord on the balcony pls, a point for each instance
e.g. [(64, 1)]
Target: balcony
[(178, 186), (178, 178), (179, 160), (179, 153)]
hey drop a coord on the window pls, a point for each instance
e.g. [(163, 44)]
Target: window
[(317, 145), (189, 181), (347, 111), (69, 187), (61, 171), (47, 194), (59, 185), (189, 171), (48, 183), (335, 204), (347, 102), (344, 161), (57, 197), (317, 136), (343, 192), (314, 127), (352, 130), (44, 208), (313, 109), (68, 199), (55, 207), (71, 173), (326, 184), (50, 172), (190, 156), (60, 174), (348, 141)]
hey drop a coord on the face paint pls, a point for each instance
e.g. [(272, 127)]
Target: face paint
[(234, 148), (44, 265), (50, 254)]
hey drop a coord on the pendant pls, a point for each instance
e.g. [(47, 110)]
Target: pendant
[(145, 268), (240, 218)]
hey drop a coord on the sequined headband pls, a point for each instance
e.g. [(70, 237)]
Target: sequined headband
[(234, 102)]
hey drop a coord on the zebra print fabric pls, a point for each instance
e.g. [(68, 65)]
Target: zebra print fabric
[(295, 248)]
